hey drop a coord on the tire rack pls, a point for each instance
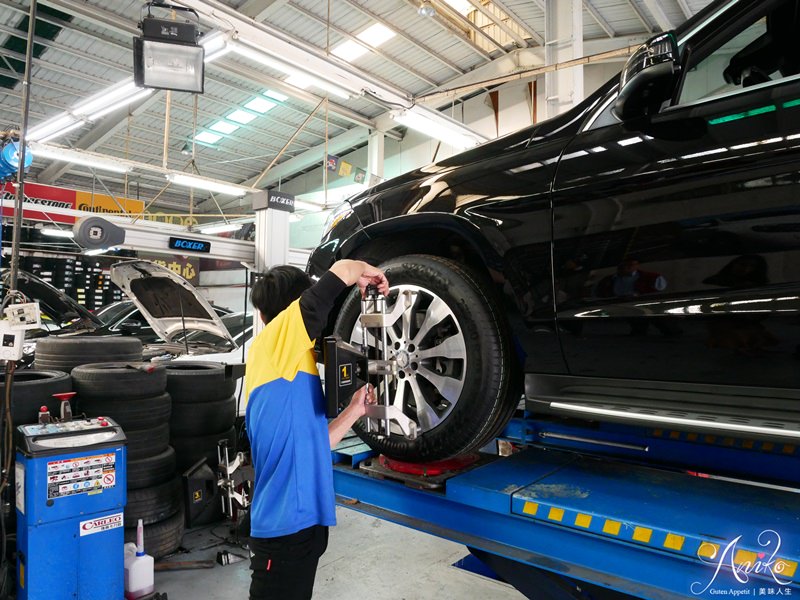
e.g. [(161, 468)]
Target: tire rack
[(613, 521)]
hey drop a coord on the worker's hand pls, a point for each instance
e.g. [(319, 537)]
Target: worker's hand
[(372, 276), (361, 399)]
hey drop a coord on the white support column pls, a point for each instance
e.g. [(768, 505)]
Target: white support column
[(563, 42), (375, 153), (272, 239)]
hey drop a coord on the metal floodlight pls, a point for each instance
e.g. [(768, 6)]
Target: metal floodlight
[(167, 56)]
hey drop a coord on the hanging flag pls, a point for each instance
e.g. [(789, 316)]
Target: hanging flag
[(344, 168), (374, 180), (333, 162), (360, 175)]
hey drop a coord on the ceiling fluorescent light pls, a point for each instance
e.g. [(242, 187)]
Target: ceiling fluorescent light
[(434, 129), (78, 158), (51, 127), (60, 132), (56, 232), (223, 127), (124, 102), (241, 116), (273, 63), (299, 81), (115, 93), (349, 50), (201, 183), (221, 228), (216, 45), (376, 34), (260, 105), (275, 95), (207, 137)]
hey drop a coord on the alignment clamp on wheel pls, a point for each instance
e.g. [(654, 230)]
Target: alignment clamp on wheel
[(347, 368)]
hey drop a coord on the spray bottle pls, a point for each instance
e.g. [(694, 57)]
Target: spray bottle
[(138, 568)]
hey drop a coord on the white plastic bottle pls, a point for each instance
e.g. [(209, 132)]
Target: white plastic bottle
[(138, 568)]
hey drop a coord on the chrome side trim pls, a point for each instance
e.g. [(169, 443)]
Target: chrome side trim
[(664, 419)]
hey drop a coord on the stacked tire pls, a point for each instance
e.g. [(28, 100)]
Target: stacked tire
[(32, 389), (64, 353), (203, 413), (133, 395)]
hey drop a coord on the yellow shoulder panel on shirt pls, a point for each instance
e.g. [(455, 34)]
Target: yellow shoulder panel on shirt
[(281, 350)]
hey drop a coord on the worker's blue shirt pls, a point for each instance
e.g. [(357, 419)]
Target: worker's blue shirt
[(286, 420)]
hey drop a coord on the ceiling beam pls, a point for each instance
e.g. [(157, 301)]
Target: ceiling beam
[(536, 36), (687, 11), (663, 21), (259, 10), (637, 11), (488, 13), (458, 33), (465, 22), (102, 131), (599, 18), (435, 55), (369, 48)]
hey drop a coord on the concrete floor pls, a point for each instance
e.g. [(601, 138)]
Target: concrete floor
[(367, 559)]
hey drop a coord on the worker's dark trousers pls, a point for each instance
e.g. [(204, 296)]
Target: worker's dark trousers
[(284, 567)]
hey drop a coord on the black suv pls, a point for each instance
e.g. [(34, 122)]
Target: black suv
[(636, 259)]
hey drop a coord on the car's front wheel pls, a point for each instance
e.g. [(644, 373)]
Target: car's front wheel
[(454, 367)]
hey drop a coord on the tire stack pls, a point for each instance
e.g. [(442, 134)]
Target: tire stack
[(33, 389), (133, 395), (203, 412), (64, 353)]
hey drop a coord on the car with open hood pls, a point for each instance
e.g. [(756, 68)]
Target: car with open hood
[(634, 259), (184, 323)]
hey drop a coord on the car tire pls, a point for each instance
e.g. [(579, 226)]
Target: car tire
[(456, 357), (196, 381), (202, 418), (155, 503), (130, 414), (190, 449), (153, 470), (119, 380), (161, 538), (147, 442), (32, 389), (66, 353)]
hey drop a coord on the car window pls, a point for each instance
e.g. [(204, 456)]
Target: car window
[(113, 312), (758, 54)]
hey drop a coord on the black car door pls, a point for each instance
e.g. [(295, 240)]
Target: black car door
[(677, 242)]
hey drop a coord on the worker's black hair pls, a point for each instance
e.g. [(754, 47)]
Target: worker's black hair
[(278, 288)]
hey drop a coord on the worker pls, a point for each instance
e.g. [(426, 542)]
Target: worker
[(293, 498)]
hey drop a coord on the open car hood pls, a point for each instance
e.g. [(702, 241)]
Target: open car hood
[(169, 303), (63, 311)]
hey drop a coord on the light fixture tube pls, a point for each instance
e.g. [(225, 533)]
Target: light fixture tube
[(105, 98), (273, 63), (56, 232), (51, 127), (201, 183), (124, 102), (221, 228), (434, 129), (78, 158)]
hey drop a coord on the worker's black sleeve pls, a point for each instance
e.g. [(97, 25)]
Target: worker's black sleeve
[(317, 301)]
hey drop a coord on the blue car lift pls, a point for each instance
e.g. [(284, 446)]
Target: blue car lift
[(606, 511)]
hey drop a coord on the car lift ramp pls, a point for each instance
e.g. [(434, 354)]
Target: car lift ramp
[(646, 532)]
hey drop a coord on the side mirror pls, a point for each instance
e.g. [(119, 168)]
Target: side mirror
[(648, 78), (130, 327)]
